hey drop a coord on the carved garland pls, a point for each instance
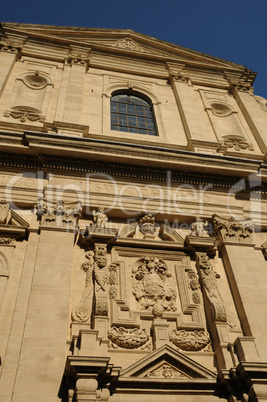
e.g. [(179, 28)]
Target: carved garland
[(190, 340), (132, 338)]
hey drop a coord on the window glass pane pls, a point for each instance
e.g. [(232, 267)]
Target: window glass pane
[(131, 109), (113, 107), (129, 113), (122, 108)]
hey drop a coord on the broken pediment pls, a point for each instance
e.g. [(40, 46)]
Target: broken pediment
[(11, 224), (120, 40), (167, 363)]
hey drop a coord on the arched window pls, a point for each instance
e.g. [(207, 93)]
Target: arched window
[(132, 114)]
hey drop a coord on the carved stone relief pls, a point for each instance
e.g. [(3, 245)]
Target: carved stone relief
[(198, 228), (113, 281), (208, 279), (58, 214), (262, 102), (128, 43), (190, 340), (237, 142), (233, 230), (147, 226), (194, 285), (128, 338), (5, 213), (29, 100), (151, 287), (166, 371), (82, 311), (100, 218)]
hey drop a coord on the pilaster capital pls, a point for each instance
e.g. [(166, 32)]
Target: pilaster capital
[(232, 230), (11, 45), (240, 85), (179, 76), (78, 56)]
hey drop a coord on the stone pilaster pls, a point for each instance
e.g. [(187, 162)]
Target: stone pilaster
[(10, 50)]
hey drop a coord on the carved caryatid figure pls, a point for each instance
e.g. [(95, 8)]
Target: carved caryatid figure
[(100, 218), (198, 228), (208, 279)]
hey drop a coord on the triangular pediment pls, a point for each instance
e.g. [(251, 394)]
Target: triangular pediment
[(168, 363), (124, 41)]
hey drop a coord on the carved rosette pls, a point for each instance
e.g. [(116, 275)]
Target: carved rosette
[(208, 279), (233, 230), (128, 338), (151, 288), (190, 340)]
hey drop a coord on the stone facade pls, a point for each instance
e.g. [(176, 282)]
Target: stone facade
[(133, 259)]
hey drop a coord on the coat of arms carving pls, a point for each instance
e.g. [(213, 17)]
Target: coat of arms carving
[(152, 287)]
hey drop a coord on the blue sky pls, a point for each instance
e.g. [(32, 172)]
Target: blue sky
[(234, 30)]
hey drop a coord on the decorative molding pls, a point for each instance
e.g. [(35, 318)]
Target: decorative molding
[(237, 142), (208, 279), (190, 340), (150, 288), (128, 338), (179, 77), (231, 230), (128, 44), (4, 265)]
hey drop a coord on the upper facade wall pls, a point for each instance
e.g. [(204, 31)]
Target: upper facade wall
[(200, 103)]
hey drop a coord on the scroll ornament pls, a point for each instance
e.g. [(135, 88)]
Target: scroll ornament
[(190, 340), (128, 338), (82, 311), (150, 287)]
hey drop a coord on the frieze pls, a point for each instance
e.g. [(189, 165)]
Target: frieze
[(190, 340), (233, 230), (128, 338), (151, 288)]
